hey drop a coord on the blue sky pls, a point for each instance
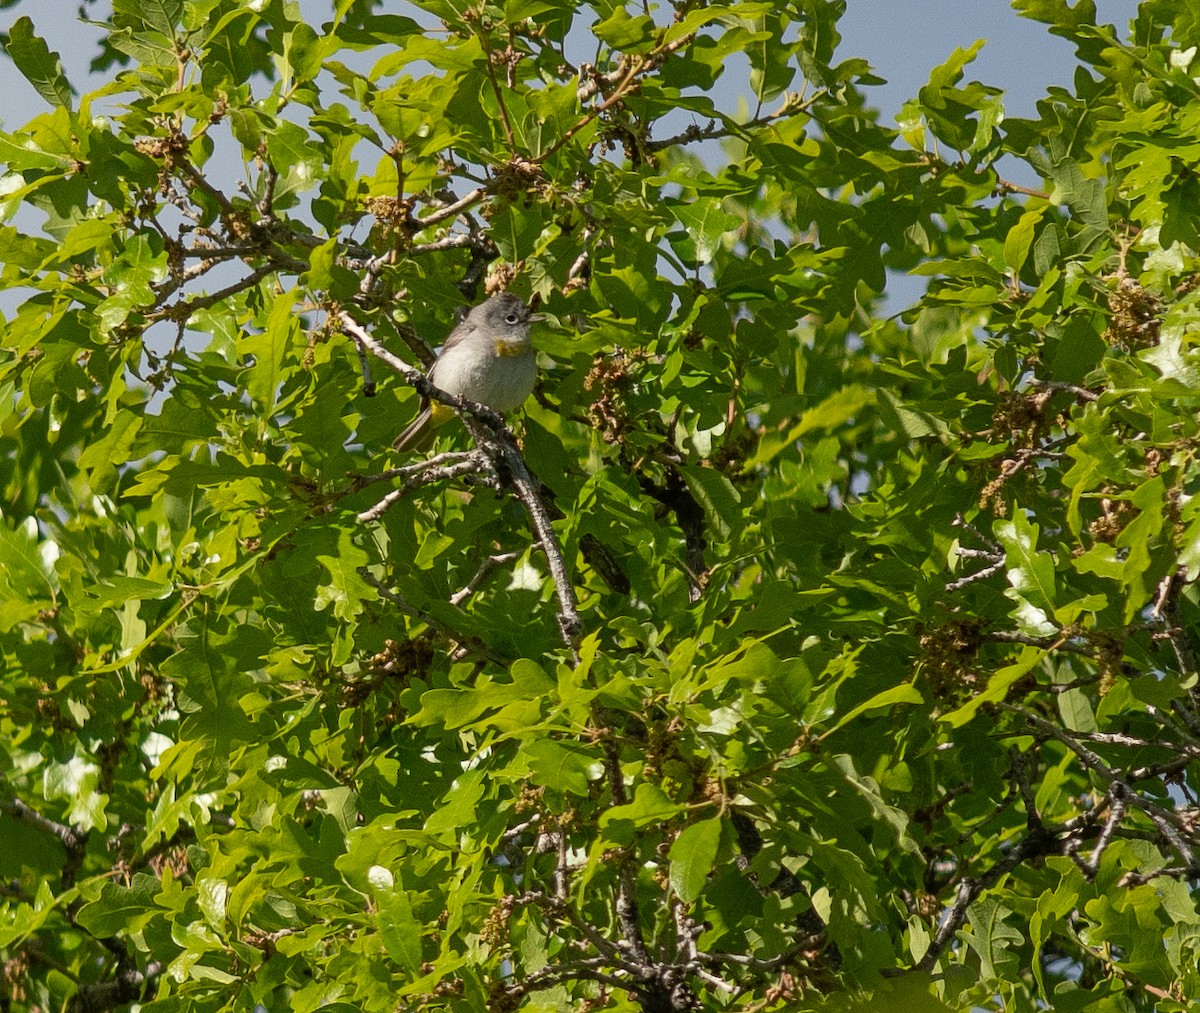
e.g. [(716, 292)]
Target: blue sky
[(904, 39)]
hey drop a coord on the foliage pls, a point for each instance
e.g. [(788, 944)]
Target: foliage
[(883, 691)]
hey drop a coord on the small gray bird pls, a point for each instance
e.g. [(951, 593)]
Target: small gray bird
[(487, 358)]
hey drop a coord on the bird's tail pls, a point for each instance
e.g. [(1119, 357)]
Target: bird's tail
[(418, 435)]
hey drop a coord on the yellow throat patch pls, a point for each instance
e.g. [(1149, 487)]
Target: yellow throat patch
[(507, 349)]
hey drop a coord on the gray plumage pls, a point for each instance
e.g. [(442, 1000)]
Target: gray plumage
[(487, 358)]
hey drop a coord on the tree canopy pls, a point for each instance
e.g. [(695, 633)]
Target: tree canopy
[(802, 650)]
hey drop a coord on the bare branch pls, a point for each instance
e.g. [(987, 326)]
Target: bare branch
[(391, 474), (1050, 643), (1080, 392), (562, 870), (454, 241), (961, 522), (622, 81), (68, 836), (471, 644), (197, 179), (1175, 629), (72, 840), (1090, 759), (775, 963), (993, 554), (1020, 769), (489, 564), (1170, 824), (565, 912), (1172, 871), (596, 82), (477, 464), (450, 210), (971, 578), (1115, 814), (183, 310), (951, 921), (496, 441), (14, 891)]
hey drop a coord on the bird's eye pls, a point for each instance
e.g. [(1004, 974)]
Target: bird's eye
[(511, 318)]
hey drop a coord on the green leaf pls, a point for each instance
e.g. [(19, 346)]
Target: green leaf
[(263, 380), (119, 590), (347, 590), (707, 224), (885, 700), (1030, 571), (18, 156), (994, 941), (160, 16), (692, 855), (997, 688), (398, 928), (322, 764), (42, 68), (457, 809), (717, 495), (296, 158), (27, 570), (561, 766), (1020, 238), (650, 805), (121, 908), (304, 52), (620, 31)]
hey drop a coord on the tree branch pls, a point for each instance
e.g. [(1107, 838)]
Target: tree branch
[(469, 643), (497, 447)]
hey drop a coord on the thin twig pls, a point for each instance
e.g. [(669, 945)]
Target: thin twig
[(1050, 643), (961, 522), (1005, 186), (477, 465), (624, 83), (526, 489), (489, 564), (68, 836), (971, 578), (1080, 392), (391, 474), (1090, 759), (1116, 813), (791, 104), (562, 870), (471, 644), (229, 213), (454, 241), (1020, 771), (505, 121), (1175, 628), (73, 841), (567, 913), (1169, 824), (185, 309), (1173, 871)]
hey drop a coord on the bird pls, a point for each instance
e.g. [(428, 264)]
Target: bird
[(487, 358)]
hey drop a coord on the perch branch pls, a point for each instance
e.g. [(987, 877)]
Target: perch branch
[(500, 450)]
